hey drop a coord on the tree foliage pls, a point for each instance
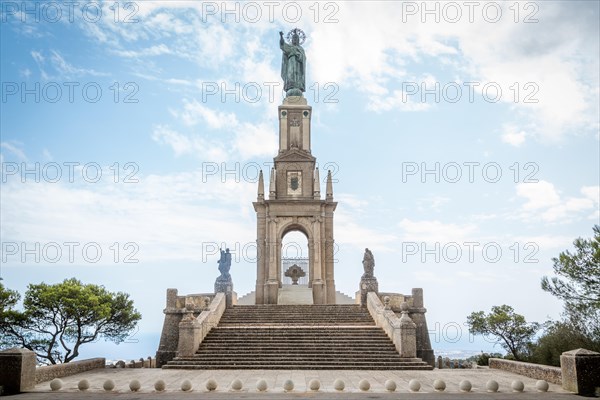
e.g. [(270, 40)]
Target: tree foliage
[(58, 319), (511, 330), (577, 284), (558, 338)]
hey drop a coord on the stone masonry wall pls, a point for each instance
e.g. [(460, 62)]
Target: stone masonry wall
[(535, 371), (47, 373)]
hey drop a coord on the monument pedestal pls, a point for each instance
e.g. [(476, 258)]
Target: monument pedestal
[(294, 204), (367, 284)]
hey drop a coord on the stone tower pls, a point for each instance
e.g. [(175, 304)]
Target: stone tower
[(294, 204)]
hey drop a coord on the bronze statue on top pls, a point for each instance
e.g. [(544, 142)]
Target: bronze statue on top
[(293, 62)]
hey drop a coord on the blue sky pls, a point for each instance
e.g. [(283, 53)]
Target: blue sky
[(153, 110)]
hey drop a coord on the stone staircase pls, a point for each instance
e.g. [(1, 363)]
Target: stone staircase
[(297, 337)]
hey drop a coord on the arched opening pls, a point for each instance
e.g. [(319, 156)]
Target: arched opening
[(295, 259), (295, 269)]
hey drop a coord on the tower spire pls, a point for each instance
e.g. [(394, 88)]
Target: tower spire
[(317, 185), (329, 190), (261, 186)]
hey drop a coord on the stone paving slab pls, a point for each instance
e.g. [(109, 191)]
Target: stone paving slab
[(292, 396), (276, 378)]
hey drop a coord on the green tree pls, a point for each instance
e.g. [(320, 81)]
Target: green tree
[(558, 338), (511, 330), (577, 284), (58, 319)]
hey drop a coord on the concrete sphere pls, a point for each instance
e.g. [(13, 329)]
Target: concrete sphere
[(261, 385), (492, 386), (364, 385), (542, 386), (186, 385), (439, 385), (159, 385), (414, 385), (339, 385), (314, 385), (236, 385), (56, 384), (108, 385), (517, 386), (135, 385), (211, 385), (390, 385), (83, 384), (288, 385), (465, 386)]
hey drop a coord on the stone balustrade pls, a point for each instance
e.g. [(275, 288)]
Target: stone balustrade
[(192, 331), (402, 331)]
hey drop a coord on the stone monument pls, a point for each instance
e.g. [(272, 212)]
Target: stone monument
[(368, 282), (294, 202), (223, 283)]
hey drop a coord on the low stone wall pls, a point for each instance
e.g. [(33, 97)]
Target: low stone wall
[(535, 371), (47, 373)]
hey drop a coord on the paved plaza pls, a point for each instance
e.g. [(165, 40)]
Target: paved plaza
[(276, 378)]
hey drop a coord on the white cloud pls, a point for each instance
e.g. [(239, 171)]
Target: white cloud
[(195, 145), (513, 136), (168, 216), (15, 149), (435, 231), (555, 100), (545, 201), (433, 203), (195, 112), (539, 195), (152, 51)]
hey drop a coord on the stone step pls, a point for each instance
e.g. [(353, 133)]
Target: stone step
[(303, 366), (377, 351), (297, 337)]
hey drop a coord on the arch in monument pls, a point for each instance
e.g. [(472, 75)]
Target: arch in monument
[(295, 252)]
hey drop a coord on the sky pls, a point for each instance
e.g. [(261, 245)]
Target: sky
[(463, 140)]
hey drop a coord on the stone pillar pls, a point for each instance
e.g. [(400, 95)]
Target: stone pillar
[(169, 338), (261, 251), (408, 339), (440, 362), (189, 332), (417, 314), (17, 370), (329, 254), (580, 371)]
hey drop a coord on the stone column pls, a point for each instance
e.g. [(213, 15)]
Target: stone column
[(329, 253), (580, 371), (17, 370), (271, 264), (318, 289), (261, 251)]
